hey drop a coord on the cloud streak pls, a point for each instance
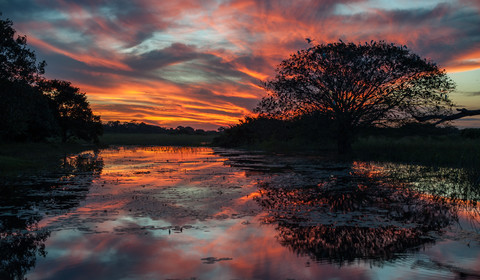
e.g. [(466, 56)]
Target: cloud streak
[(199, 63)]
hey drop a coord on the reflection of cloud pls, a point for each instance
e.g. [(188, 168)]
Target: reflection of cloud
[(222, 47)]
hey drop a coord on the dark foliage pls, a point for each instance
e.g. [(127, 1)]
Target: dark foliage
[(409, 129), (25, 113), (72, 110), (472, 133), (304, 129), (252, 130), (316, 131)]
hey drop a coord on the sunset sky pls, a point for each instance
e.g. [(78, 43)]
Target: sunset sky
[(198, 63)]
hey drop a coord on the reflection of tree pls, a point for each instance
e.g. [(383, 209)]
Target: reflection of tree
[(19, 250), (353, 216), (25, 203), (461, 184)]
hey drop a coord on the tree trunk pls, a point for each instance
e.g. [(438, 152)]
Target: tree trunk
[(344, 139), (64, 136), (443, 118), (344, 145)]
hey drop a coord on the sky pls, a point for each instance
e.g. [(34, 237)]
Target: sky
[(199, 63)]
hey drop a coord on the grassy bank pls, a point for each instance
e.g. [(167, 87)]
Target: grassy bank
[(25, 158), (292, 147), (440, 150), (155, 139), (429, 150)]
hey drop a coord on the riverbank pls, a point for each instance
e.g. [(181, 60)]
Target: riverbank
[(30, 157), (452, 151), (442, 150), (21, 158)]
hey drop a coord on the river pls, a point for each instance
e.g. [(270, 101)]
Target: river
[(211, 213)]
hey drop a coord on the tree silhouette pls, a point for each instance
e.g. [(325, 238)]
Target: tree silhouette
[(17, 61), (72, 110), (357, 85), (24, 111)]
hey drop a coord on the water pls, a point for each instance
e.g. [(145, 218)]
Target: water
[(202, 213)]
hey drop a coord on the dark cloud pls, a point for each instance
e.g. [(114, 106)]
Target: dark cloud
[(440, 33), (303, 10), (176, 53), (207, 94), (20, 10)]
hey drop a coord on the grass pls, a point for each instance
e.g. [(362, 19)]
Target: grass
[(27, 157), (439, 150), (455, 151), (30, 158), (9, 163), (155, 139), (295, 147)]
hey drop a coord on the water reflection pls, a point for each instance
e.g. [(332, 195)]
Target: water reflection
[(181, 213), (354, 216), (30, 200), (20, 248), (342, 213)]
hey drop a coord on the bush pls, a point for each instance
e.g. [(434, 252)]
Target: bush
[(263, 131), (471, 133)]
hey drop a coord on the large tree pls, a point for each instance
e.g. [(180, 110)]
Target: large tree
[(72, 110), (357, 85)]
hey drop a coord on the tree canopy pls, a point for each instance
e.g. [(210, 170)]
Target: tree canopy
[(357, 85), (17, 62), (24, 112), (72, 110)]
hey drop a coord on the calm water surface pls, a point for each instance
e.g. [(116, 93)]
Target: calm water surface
[(202, 213)]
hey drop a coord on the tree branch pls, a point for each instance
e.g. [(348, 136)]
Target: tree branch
[(443, 118)]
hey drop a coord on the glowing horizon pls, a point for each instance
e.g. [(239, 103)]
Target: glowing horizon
[(198, 63)]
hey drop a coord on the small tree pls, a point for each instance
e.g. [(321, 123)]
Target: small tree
[(357, 85), (72, 110)]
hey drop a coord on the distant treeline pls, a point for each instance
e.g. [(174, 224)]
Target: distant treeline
[(141, 127)]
